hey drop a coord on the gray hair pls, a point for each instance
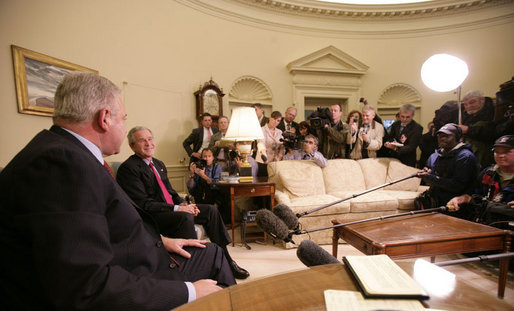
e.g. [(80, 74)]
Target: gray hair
[(316, 141), (130, 135), (408, 108), (474, 93), (81, 95), (369, 108)]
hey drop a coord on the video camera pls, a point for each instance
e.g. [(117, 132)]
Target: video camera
[(291, 141), (320, 117), (200, 164)]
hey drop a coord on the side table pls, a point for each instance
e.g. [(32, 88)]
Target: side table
[(254, 189)]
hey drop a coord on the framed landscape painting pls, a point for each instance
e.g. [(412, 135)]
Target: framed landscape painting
[(37, 76)]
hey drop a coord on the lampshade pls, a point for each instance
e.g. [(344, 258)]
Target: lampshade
[(244, 125), (443, 72)]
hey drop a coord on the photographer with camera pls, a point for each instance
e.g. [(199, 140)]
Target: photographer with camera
[(309, 152), (331, 131), (270, 148), (365, 139)]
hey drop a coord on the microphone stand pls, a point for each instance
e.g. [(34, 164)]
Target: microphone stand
[(436, 209), (473, 259), (356, 195)]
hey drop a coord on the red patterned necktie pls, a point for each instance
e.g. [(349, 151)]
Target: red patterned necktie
[(165, 192), (108, 168)]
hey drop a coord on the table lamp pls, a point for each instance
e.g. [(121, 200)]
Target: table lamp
[(244, 128), (443, 73)]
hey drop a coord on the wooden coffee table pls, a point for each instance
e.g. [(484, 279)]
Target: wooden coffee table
[(425, 235)]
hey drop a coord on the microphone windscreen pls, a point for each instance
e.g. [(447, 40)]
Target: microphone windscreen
[(286, 215), (311, 254), (271, 224)]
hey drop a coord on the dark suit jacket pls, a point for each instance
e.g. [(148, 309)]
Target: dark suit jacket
[(282, 125), (74, 239), (413, 132), (264, 121), (195, 139), (139, 182)]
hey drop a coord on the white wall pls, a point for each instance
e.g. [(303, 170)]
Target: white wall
[(164, 50)]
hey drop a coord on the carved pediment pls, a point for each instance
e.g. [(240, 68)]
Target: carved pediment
[(328, 60)]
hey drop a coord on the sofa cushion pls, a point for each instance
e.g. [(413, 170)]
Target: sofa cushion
[(399, 170), (405, 198), (307, 204), (375, 201), (374, 171), (343, 175), (301, 178)]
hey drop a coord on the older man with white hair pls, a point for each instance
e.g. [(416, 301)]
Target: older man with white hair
[(478, 126)]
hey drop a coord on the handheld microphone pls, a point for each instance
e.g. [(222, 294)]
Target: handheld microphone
[(285, 214), (272, 225), (311, 254)]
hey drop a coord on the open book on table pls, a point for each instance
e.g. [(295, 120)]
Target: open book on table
[(378, 276)]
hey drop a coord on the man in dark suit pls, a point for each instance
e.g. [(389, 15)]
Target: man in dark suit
[(287, 123), (259, 110), (74, 239), (404, 136), (199, 138), (145, 179)]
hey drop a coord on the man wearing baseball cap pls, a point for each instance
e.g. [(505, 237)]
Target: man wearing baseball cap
[(450, 171), (496, 186)]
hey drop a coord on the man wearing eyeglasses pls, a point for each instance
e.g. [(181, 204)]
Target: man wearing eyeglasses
[(309, 152)]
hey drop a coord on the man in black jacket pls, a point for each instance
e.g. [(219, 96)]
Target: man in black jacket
[(200, 138), (145, 179), (452, 169), (404, 136), (74, 239)]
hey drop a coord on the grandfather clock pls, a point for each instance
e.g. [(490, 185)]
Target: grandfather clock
[(209, 98)]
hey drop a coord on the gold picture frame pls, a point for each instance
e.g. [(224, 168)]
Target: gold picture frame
[(37, 76)]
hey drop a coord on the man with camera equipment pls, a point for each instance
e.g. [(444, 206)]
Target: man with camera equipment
[(404, 136), (287, 125), (493, 200), (200, 138), (331, 131), (145, 180), (449, 171), (366, 140), (309, 152)]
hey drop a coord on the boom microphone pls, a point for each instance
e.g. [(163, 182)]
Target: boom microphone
[(311, 254), (272, 225), (285, 214)]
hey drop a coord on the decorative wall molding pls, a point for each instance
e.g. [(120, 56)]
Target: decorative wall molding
[(326, 73), (373, 12), (250, 89), (177, 174), (398, 94), (309, 17)]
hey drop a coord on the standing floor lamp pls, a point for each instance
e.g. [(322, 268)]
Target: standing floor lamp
[(443, 73)]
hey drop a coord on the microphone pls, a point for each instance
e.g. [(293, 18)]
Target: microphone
[(272, 225), (285, 214), (311, 254)]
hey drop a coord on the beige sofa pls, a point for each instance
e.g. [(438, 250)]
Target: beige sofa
[(303, 186)]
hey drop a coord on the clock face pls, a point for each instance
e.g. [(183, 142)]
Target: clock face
[(211, 103)]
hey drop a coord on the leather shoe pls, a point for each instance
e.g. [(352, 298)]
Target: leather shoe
[(239, 273)]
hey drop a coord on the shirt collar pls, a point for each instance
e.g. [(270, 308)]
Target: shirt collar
[(89, 145)]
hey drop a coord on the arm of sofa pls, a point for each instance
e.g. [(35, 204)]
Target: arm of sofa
[(282, 198), (423, 188)]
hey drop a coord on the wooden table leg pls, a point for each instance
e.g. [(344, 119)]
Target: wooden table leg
[(335, 241), (504, 266)]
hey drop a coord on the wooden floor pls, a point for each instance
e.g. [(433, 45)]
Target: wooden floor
[(265, 260)]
